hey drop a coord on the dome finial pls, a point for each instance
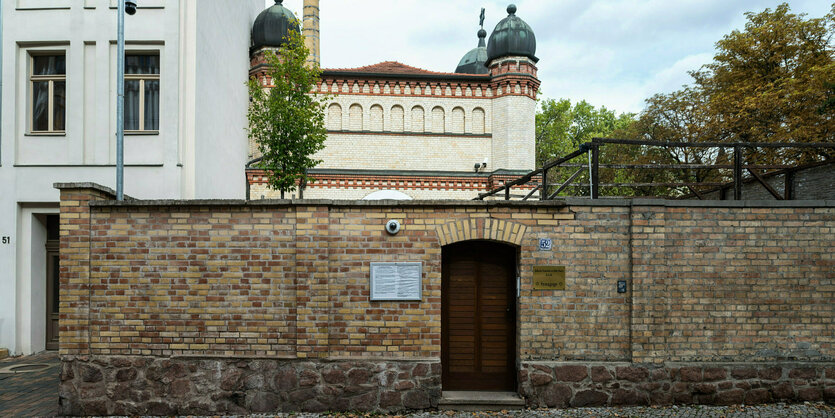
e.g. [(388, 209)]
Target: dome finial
[(511, 9)]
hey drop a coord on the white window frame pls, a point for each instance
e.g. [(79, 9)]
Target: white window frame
[(142, 78), (52, 78)]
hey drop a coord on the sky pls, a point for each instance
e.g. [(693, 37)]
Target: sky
[(612, 53)]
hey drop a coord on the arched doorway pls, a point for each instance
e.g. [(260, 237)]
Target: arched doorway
[(478, 316)]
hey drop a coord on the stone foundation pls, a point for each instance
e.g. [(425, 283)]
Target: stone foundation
[(116, 385), (611, 384)]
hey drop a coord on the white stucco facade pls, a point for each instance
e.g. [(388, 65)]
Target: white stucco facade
[(198, 151)]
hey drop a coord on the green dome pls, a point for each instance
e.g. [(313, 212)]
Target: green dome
[(272, 26), (512, 37), (474, 62)]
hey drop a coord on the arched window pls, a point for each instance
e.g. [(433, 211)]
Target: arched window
[(397, 115), (355, 117), (438, 120), (375, 119), (478, 121), (458, 120), (335, 117), (418, 124)]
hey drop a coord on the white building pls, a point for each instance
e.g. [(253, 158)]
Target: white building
[(186, 100), (395, 130)]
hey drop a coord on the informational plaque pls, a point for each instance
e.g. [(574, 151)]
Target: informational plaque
[(396, 281), (549, 277)]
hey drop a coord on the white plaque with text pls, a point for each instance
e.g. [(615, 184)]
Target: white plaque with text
[(396, 281)]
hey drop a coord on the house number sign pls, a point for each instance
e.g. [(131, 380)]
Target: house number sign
[(396, 281)]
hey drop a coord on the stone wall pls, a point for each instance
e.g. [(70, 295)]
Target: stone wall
[(709, 283), (561, 385), (116, 385)]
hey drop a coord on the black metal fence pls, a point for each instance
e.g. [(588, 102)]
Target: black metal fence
[(592, 151)]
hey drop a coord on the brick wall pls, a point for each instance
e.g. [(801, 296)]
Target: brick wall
[(290, 282)]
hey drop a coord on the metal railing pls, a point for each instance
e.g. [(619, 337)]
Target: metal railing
[(592, 149)]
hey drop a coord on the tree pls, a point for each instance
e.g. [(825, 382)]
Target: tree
[(562, 127), (286, 119), (774, 81), (769, 83)]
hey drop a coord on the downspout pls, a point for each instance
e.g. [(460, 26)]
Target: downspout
[(1, 82)]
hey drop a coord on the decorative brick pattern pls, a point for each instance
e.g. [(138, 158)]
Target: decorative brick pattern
[(482, 229), (357, 186)]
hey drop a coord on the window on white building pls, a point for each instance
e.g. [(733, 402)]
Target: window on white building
[(48, 84), (142, 93)]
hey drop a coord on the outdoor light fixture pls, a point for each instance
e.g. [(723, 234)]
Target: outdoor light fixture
[(130, 7)]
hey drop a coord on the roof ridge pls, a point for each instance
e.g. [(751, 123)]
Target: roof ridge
[(389, 67)]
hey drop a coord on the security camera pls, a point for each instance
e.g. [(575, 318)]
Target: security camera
[(392, 227), (130, 7)]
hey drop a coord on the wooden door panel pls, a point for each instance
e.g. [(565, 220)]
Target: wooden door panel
[(478, 323)]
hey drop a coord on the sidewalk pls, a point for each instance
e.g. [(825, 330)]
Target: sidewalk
[(34, 393)]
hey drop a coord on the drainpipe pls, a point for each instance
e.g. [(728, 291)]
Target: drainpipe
[(1, 82), (120, 101)]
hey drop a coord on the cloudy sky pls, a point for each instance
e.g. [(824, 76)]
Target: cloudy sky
[(614, 53)]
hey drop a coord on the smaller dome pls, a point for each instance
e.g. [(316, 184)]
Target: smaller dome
[(474, 62), (512, 37), (272, 26)]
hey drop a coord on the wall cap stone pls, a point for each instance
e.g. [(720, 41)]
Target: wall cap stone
[(569, 201), (85, 185)]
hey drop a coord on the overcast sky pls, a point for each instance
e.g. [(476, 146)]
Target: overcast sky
[(614, 53)]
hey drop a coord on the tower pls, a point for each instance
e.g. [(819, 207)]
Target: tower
[(512, 62), (310, 27)]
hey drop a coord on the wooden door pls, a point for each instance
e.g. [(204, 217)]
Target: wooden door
[(52, 282), (478, 317)]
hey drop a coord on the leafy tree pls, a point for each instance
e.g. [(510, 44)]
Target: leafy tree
[(286, 120), (768, 82), (562, 127), (774, 81)]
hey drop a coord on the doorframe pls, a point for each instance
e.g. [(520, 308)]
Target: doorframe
[(514, 361), (52, 250), (30, 281)]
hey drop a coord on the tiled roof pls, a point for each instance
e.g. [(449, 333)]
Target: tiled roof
[(389, 67)]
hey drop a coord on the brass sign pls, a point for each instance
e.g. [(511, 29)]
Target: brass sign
[(549, 277)]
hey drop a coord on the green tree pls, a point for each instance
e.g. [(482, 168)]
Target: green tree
[(562, 127), (771, 82), (767, 83), (286, 119)]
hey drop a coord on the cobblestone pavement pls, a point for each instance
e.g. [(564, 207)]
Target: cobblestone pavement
[(735, 411), (33, 393)]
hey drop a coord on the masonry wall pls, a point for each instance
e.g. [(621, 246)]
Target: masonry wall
[(264, 306), (809, 183)]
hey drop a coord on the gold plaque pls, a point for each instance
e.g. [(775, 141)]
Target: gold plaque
[(549, 277)]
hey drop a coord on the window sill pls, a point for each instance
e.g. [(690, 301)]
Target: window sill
[(45, 134), (141, 133)]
